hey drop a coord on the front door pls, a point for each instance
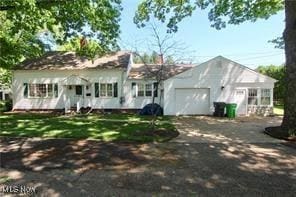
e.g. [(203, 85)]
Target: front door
[(241, 101), (77, 95)]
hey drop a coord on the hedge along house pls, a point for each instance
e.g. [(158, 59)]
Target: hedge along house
[(63, 81)]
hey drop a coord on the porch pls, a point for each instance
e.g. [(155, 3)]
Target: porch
[(77, 93)]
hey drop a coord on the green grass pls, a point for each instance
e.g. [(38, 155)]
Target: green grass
[(278, 110), (113, 127)]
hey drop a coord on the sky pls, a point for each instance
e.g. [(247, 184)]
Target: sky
[(246, 43)]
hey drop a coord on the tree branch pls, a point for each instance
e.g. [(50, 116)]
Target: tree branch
[(38, 3)]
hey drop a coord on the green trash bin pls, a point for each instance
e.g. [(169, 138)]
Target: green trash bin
[(230, 110)]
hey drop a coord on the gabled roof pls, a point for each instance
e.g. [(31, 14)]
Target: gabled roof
[(246, 68), (141, 71), (60, 60), (235, 63)]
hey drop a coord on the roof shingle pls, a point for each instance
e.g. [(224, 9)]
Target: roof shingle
[(141, 71), (60, 60)]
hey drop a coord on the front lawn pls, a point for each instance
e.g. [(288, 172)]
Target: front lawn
[(278, 110), (113, 127)]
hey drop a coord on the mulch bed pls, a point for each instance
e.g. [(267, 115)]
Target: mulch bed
[(277, 132)]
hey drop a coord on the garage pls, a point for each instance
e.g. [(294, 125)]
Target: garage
[(191, 101)]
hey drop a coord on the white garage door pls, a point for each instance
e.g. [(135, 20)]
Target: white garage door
[(190, 101)]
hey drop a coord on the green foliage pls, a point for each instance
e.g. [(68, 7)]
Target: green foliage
[(5, 77), (90, 50), (146, 58), (221, 12), (278, 73), (5, 105), (22, 20), (279, 42), (152, 58), (278, 110)]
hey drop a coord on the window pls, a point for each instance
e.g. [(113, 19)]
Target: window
[(106, 89), (148, 89), (265, 96), (103, 89), (39, 90), (141, 89), (78, 90), (109, 89), (252, 97)]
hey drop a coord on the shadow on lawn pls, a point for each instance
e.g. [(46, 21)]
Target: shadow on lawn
[(107, 128), (168, 168)]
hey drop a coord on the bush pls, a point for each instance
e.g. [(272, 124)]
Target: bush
[(5, 105)]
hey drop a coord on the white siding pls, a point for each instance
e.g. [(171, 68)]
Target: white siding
[(136, 102), (102, 76), (214, 74), (49, 76)]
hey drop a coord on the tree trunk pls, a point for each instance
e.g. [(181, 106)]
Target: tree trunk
[(289, 121)]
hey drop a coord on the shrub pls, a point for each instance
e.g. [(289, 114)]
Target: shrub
[(6, 105)]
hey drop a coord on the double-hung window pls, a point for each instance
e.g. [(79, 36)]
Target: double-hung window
[(141, 89), (106, 90), (253, 97), (40, 90), (144, 89), (265, 96), (37, 90), (148, 89)]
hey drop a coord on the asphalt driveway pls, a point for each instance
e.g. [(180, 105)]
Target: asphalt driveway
[(211, 157)]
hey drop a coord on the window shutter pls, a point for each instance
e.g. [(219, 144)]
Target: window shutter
[(56, 90), (115, 90), (134, 90), (26, 90), (155, 89), (97, 90)]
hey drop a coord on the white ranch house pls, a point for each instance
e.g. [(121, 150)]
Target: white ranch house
[(63, 80)]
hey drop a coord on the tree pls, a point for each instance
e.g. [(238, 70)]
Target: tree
[(158, 64), (152, 58), (278, 73), (90, 48), (22, 21), (235, 12), (5, 77)]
